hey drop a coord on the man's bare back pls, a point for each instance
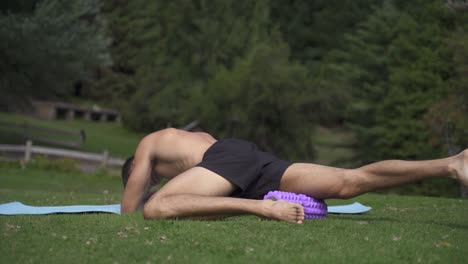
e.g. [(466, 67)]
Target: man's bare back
[(175, 151), (194, 191)]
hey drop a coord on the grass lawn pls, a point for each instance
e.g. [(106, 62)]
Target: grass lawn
[(119, 141), (400, 229)]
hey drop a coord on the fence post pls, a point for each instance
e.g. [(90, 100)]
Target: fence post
[(28, 151), (105, 158), (82, 136), (26, 131)]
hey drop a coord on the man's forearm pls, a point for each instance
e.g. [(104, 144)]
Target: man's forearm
[(188, 205)]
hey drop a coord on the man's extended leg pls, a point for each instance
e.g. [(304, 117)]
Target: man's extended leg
[(328, 182)]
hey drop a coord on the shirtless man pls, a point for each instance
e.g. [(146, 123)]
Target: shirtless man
[(209, 178)]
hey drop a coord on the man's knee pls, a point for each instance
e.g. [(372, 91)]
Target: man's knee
[(155, 208), (353, 183)]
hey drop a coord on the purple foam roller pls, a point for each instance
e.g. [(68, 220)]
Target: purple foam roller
[(313, 208)]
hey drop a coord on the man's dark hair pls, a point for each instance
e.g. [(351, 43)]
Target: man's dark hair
[(127, 170)]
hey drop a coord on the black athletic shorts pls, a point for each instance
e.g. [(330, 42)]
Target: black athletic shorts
[(254, 172)]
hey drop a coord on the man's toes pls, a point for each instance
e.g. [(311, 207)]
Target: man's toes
[(299, 220), (300, 210), (292, 215), (300, 217)]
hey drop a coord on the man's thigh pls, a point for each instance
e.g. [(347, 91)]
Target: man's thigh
[(312, 179), (198, 181)]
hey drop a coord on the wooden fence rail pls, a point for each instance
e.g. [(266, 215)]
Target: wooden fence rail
[(104, 159), (74, 139)]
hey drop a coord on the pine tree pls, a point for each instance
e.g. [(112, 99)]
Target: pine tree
[(398, 68), (264, 98), (45, 51), (167, 48), (313, 28), (365, 66)]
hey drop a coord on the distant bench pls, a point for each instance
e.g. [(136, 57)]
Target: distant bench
[(60, 110)]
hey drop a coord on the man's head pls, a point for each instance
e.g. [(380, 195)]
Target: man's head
[(127, 170)]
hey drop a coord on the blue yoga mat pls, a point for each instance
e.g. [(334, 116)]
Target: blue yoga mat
[(17, 208), (354, 208)]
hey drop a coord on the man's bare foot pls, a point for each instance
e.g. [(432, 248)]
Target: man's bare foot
[(460, 167), (285, 211)]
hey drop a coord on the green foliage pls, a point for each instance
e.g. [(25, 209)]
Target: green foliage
[(43, 53), (18, 6), (448, 117), (264, 98), (398, 66), (190, 41), (180, 61), (269, 71), (314, 28)]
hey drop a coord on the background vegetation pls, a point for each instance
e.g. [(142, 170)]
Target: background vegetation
[(335, 82), (392, 73)]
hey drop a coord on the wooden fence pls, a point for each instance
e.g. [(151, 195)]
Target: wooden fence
[(60, 137), (28, 150)]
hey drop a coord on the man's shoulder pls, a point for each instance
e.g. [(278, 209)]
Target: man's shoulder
[(157, 138), (162, 134), (172, 138)]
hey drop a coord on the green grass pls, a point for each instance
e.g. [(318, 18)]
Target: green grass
[(398, 230), (119, 141)]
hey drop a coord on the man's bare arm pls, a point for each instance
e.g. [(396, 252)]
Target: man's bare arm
[(137, 185), (139, 181)]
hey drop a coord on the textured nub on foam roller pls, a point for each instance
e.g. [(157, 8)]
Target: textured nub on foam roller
[(313, 208)]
